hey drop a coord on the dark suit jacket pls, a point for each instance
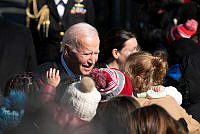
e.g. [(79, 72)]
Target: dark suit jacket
[(17, 52), (48, 49)]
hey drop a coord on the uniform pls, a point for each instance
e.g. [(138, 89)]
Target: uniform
[(48, 48)]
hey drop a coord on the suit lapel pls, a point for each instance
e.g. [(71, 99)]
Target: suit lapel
[(68, 7), (53, 9)]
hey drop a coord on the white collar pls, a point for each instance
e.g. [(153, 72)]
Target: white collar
[(57, 1)]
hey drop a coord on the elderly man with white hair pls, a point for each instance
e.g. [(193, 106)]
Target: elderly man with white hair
[(79, 53), (80, 49)]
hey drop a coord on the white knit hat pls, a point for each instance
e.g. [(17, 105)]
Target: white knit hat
[(81, 99)]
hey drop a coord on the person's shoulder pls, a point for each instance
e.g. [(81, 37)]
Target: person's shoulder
[(47, 65), (12, 27), (163, 101), (167, 102), (126, 77), (42, 68), (143, 101)]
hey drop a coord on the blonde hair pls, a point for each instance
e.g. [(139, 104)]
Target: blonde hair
[(162, 54), (151, 69)]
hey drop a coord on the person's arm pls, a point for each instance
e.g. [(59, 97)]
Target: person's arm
[(31, 59), (173, 92)]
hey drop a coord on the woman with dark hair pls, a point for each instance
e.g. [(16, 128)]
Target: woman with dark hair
[(154, 119), (113, 116), (117, 45)]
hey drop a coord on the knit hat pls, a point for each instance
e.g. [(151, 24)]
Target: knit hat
[(81, 99), (111, 82), (183, 30)]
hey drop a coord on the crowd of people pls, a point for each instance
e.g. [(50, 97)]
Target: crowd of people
[(60, 76)]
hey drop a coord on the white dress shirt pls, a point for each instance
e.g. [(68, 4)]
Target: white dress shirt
[(61, 6)]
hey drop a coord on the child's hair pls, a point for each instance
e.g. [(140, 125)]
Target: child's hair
[(154, 119), (114, 115), (161, 54), (151, 69)]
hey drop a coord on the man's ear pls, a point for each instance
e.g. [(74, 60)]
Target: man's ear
[(66, 49), (115, 53)]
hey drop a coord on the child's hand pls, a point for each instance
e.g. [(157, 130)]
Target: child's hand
[(53, 77), (157, 88)]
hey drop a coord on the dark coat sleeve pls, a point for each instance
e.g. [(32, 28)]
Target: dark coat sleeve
[(30, 52)]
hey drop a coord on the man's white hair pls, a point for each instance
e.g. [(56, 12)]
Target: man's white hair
[(73, 35)]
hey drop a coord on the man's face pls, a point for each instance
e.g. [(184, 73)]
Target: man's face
[(83, 59), (130, 46)]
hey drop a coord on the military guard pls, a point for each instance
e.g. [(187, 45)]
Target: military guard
[(49, 19)]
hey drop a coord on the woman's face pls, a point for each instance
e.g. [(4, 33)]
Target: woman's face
[(130, 46)]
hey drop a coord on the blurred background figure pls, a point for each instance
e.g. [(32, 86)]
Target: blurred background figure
[(155, 18), (187, 11), (13, 10), (17, 52), (186, 30), (176, 51), (190, 74)]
